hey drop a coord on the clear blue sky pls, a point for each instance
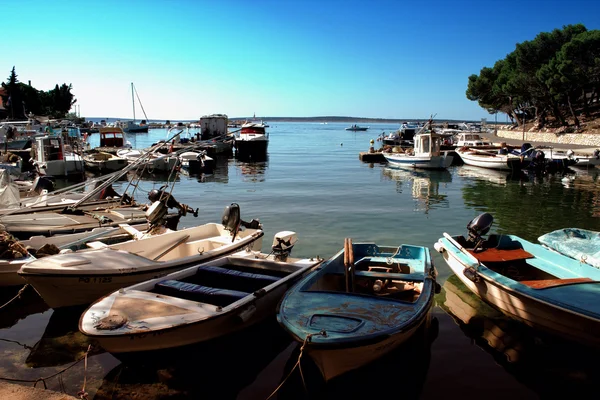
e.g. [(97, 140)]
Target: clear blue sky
[(377, 58)]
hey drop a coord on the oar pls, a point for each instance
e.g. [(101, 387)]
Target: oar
[(88, 238), (173, 246)]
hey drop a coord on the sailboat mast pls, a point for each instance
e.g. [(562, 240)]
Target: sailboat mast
[(133, 102)]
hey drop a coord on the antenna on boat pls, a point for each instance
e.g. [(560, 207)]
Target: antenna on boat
[(133, 101)]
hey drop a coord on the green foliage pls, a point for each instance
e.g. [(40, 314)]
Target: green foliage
[(557, 73), (25, 99)]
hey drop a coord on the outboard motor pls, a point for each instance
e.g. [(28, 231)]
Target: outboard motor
[(232, 220), (43, 182), (160, 195), (525, 147), (478, 227), (283, 242)]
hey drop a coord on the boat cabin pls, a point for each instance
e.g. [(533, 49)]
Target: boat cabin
[(112, 137), (253, 129), (212, 126), (471, 140), (428, 143)]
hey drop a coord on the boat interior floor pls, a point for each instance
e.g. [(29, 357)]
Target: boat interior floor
[(220, 285)]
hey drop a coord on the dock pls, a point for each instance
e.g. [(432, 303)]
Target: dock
[(376, 157)]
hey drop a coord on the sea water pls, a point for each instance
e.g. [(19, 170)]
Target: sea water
[(313, 183)]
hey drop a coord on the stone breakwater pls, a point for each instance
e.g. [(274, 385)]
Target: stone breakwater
[(583, 139)]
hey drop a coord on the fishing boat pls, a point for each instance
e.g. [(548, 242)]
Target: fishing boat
[(582, 245), (16, 253), (526, 281), (357, 128), (80, 277), (427, 153), (103, 162), (577, 160), (52, 157), (152, 162), (196, 162), (348, 313), (198, 304), (252, 141), (499, 159), (112, 139)]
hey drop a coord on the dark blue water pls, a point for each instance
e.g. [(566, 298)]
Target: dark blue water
[(313, 183)]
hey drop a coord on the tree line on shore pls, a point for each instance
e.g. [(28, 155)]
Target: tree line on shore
[(554, 76), (20, 99)]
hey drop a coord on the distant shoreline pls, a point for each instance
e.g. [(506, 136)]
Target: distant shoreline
[(306, 119)]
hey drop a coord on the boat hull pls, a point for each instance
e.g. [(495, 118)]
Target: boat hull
[(425, 162), (493, 162), (534, 313), (251, 148)]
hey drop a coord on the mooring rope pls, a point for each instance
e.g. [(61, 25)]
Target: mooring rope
[(16, 297), (297, 365), (83, 394)]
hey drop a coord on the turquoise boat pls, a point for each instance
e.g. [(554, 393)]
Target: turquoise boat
[(527, 281), (348, 313), (581, 244)]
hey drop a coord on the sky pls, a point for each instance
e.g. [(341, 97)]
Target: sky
[(272, 58)]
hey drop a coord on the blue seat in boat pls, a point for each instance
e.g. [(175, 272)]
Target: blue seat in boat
[(232, 279), (203, 294)]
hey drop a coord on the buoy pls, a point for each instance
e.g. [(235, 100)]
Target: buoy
[(341, 144)]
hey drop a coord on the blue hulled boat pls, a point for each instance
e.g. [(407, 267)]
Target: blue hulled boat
[(526, 281), (347, 313)]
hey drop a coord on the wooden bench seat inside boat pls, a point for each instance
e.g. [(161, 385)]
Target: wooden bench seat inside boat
[(202, 294), (500, 255), (231, 279), (390, 275)]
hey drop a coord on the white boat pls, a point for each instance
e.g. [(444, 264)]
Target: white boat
[(154, 162), (81, 277), (196, 162), (580, 160), (402, 137), (112, 139), (469, 139), (494, 159), (425, 155), (9, 267), (252, 141), (132, 126), (52, 158), (104, 162), (198, 304)]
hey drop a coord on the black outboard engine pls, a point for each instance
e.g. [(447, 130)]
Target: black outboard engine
[(43, 182), (525, 147), (478, 227), (232, 220), (170, 201)]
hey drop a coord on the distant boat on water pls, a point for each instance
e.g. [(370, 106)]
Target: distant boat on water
[(357, 128)]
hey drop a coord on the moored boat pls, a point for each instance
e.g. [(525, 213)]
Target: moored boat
[(78, 278), (582, 245), (427, 154), (252, 141), (103, 162), (357, 128), (197, 304), (493, 159), (526, 281), (348, 313)]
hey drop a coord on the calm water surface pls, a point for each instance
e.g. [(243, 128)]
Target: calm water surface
[(313, 183)]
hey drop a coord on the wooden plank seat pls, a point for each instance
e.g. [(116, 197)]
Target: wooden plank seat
[(233, 279), (549, 283), (500, 255), (203, 294), (407, 263), (390, 275)]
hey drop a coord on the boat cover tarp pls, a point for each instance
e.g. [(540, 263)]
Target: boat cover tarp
[(580, 244), (9, 192)]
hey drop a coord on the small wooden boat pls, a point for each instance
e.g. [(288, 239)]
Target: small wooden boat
[(580, 244), (80, 277), (347, 314), (104, 162), (426, 154), (526, 281), (153, 162), (198, 304), (196, 162), (22, 252)]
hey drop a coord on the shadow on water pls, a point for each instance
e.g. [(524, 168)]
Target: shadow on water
[(550, 366), (399, 374), (28, 303), (61, 343), (217, 369)]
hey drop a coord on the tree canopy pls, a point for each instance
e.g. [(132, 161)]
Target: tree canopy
[(556, 74), (21, 99)]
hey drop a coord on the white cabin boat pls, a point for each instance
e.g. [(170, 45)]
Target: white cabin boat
[(51, 157), (252, 141), (495, 159), (427, 154), (469, 139)]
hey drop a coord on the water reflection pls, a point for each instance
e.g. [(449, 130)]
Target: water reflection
[(549, 366), (252, 171), (497, 177), (220, 172), (423, 185), (224, 367), (399, 374), (28, 303)]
